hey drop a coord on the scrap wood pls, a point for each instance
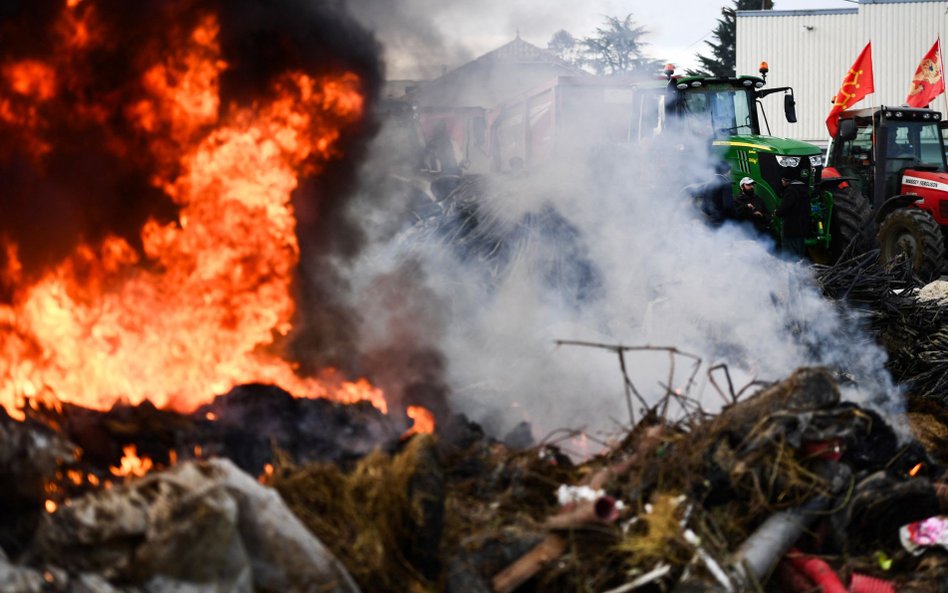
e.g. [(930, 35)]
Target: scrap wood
[(601, 510), (647, 441), (528, 565)]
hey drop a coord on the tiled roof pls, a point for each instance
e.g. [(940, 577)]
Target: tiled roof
[(516, 51)]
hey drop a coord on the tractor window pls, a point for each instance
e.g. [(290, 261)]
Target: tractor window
[(855, 156), (912, 144), (721, 113), (931, 147), (651, 115)]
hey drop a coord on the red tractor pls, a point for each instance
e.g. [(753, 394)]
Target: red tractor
[(895, 157)]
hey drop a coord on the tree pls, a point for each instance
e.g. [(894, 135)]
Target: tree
[(615, 48), (723, 58), (566, 47)]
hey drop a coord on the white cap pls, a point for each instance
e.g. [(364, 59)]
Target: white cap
[(747, 181)]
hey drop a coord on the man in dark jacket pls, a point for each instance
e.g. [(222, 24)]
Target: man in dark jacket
[(794, 209), (750, 207)]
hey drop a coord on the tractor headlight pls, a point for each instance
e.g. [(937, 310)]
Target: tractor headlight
[(788, 161), (816, 160)]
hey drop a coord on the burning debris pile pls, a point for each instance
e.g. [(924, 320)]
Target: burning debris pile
[(168, 167), (786, 489)]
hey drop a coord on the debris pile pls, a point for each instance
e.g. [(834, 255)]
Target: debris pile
[(909, 317), (785, 489)]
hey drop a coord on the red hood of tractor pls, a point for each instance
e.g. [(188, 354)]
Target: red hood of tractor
[(932, 190), (924, 183)]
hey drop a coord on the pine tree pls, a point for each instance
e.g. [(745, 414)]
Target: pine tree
[(723, 58)]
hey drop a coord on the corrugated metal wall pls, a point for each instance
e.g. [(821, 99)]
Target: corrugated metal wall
[(813, 50)]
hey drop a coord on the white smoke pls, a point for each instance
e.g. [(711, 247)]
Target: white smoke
[(629, 261)]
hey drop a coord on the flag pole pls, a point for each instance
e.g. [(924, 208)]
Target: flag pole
[(941, 65)]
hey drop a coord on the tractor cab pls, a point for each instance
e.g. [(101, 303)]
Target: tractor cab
[(726, 106), (877, 147), (895, 157)]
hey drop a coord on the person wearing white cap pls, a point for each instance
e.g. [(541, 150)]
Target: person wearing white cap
[(750, 207)]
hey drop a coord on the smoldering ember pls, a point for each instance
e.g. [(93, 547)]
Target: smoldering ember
[(272, 322)]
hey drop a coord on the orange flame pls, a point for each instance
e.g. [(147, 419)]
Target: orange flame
[(267, 475), (914, 471), (51, 506), (424, 422), (31, 78), (203, 308), (132, 465)]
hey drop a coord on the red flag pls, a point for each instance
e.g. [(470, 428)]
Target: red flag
[(856, 85), (928, 82)]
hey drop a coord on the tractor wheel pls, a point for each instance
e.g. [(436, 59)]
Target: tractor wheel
[(851, 212), (914, 233)]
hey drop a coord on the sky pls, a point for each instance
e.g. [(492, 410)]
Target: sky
[(420, 33)]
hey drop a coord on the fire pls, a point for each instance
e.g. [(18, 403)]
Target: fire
[(31, 78), (203, 305), (132, 465), (424, 422), (267, 475)]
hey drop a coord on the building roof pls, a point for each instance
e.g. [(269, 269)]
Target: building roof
[(808, 12), (824, 11), (516, 51), (451, 87), (520, 51)]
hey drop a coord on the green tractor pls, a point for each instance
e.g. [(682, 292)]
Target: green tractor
[(726, 109)]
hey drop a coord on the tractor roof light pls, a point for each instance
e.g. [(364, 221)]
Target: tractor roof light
[(927, 116), (696, 83), (936, 115), (758, 84), (898, 114), (764, 69), (888, 114), (682, 86), (669, 70), (748, 82)]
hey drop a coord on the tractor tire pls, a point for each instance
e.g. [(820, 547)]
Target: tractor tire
[(914, 233), (851, 214)]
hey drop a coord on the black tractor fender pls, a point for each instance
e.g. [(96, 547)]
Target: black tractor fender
[(894, 203), (831, 183)]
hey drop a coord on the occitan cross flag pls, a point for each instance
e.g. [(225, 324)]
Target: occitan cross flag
[(928, 81), (856, 85)]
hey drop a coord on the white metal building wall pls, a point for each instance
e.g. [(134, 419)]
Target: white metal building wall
[(812, 51)]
